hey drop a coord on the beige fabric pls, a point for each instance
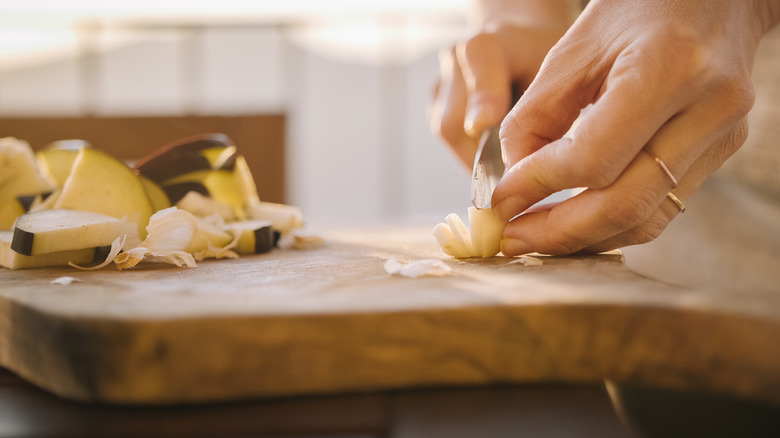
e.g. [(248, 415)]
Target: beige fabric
[(729, 236)]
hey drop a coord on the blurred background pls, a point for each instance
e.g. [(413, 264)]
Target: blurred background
[(350, 80)]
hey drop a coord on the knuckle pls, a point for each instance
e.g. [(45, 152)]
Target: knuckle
[(648, 231), (630, 208), (682, 58), (593, 170), (477, 43), (450, 128), (737, 94)]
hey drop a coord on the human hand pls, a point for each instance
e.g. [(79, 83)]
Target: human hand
[(667, 79), (474, 90)]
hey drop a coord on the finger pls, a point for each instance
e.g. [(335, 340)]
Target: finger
[(689, 184), (592, 160), (607, 139), (488, 82), (548, 108), (449, 108), (592, 216), (560, 230), (646, 232)]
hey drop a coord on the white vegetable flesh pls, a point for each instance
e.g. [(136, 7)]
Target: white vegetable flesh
[(254, 236), (103, 184), (13, 260), (20, 173), (482, 238), (50, 231)]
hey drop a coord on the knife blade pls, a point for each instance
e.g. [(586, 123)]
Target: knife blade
[(489, 162), (488, 169)]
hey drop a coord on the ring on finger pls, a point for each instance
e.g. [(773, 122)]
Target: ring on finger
[(664, 168), (676, 201), (666, 171)]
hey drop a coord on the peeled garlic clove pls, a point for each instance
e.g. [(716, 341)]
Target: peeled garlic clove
[(481, 239), (486, 231), (446, 241), (475, 229), (460, 234)]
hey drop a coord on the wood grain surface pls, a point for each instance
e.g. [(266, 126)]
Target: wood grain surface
[(331, 320)]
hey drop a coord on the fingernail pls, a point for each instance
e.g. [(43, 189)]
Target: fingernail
[(512, 247), (479, 117), (471, 118)]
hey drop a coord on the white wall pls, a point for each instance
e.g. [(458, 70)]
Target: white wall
[(359, 145)]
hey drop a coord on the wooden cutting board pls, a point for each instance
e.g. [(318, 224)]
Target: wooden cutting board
[(331, 319)]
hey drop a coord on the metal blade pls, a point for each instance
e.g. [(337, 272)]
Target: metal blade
[(488, 169)]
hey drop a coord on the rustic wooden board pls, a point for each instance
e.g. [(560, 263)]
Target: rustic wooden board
[(331, 320)]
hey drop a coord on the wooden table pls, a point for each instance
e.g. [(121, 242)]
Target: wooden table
[(331, 320)]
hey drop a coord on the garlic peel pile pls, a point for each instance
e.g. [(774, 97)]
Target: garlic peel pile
[(172, 234), (482, 238)]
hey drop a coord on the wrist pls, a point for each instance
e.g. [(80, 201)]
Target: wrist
[(490, 15)]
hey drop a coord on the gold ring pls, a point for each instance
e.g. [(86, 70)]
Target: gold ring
[(676, 201), (667, 172)]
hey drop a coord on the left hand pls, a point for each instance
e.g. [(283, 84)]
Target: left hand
[(666, 79)]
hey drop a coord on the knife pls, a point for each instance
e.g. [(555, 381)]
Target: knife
[(488, 168), (488, 164)]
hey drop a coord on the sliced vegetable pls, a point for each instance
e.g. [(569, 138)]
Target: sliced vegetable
[(103, 184), (254, 236), (204, 206), (20, 180), (176, 192), (20, 174), (220, 185), (10, 209), (57, 162), (200, 152), (245, 181), (155, 194), (50, 231), (13, 260)]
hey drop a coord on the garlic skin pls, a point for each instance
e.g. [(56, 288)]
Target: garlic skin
[(203, 206), (482, 238), (66, 280), (116, 247), (177, 237), (419, 268), (170, 229)]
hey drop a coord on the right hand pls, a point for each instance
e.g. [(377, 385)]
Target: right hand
[(474, 89)]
